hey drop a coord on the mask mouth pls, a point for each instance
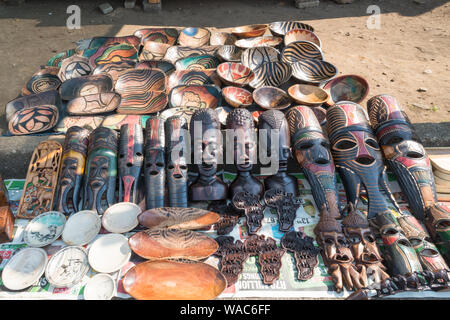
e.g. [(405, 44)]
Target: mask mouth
[(365, 160), (341, 257), (369, 258)]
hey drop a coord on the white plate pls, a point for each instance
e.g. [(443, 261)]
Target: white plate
[(67, 267), (121, 217), (44, 229), (24, 268), (109, 253), (81, 228), (100, 287)]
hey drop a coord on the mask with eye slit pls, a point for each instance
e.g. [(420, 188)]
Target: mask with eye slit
[(240, 121), (155, 163), (357, 156), (405, 156), (131, 158), (207, 148), (312, 151), (101, 170), (175, 129)]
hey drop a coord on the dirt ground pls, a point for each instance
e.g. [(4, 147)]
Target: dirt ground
[(407, 57)]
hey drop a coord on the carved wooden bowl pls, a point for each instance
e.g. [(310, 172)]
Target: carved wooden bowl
[(237, 97), (115, 53), (235, 74), (308, 94), (178, 218), (164, 66), (114, 69), (207, 96), (177, 52), (34, 119), (271, 98), (263, 41), (301, 35), (221, 38), (86, 85), (163, 244), (45, 79), (348, 87), (161, 35), (153, 50), (300, 50), (313, 71), (94, 104), (170, 280), (229, 53), (250, 31), (280, 28), (193, 77), (194, 37), (202, 62), (271, 74), (255, 57)]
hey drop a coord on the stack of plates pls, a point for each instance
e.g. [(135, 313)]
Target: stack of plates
[(440, 161)]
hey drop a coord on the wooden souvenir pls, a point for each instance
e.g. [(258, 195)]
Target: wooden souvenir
[(170, 280), (114, 69), (74, 67), (153, 50), (177, 218), (194, 37), (232, 257), (34, 120), (253, 58), (269, 97), (286, 206), (313, 71), (207, 96), (271, 74), (300, 50), (229, 53), (305, 253), (6, 224), (94, 104), (175, 53), (116, 121), (51, 97), (41, 181), (237, 97), (263, 41), (45, 79), (86, 85), (171, 244), (114, 53), (199, 63), (253, 208), (269, 258), (91, 45), (308, 95), (301, 35), (164, 66), (188, 77), (280, 28), (250, 31), (183, 112), (160, 35), (58, 58), (222, 38), (235, 74)]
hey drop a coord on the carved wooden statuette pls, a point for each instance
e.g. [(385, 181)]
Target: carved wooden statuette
[(6, 224), (131, 158), (68, 195), (155, 163), (232, 257), (207, 148), (176, 134), (357, 156), (286, 206), (41, 181), (305, 253), (276, 128), (99, 184), (312, 151), (245, 145), (253, 208)]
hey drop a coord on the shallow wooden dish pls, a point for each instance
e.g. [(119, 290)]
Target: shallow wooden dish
[(235, 74), (153, 50), (191, 77), (269, 97), (86, 85), (263, 41), (237, 97), (115, 53), (170, 280), (250, 31), (161, 35), (166, 67), (165, 244), (94, 104), (177, 52), (301, 35), (206, 96), (308, 94), (348, 87), (202, 62), (34, 119), (222, 38), (178, 218), (271, 74), (255, 57), (194, 37), (300, 50), (280, 28), (229, 53), (313, 71)]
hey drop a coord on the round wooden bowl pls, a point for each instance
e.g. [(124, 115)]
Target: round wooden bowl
[(237, 97), (313, 71), (280, 28), (235, 74), (221, 38), (255, 57), (301, 35), (348, 87), (308, 94), (300, 50), (271, 74), (229, 53), (263, 41), (269, 97), (250, 31), (194, 37)]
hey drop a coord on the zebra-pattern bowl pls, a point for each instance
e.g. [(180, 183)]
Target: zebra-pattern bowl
[(280, 28), (229, 53), (301, 35), (300, 50), (313, 71), (255, 57), (271, 74)]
